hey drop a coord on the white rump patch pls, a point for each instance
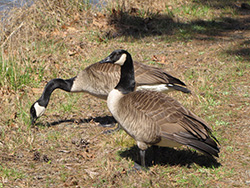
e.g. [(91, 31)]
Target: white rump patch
[(39, 109), (159, 88), (121, 60)]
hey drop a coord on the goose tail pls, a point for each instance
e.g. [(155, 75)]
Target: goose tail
[(180, 88)]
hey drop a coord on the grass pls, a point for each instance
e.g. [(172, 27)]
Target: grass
[(11, 173), (195, 41)]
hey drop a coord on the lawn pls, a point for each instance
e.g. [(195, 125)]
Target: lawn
[(204, 43)]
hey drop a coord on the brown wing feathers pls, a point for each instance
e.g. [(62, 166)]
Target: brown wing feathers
[(197, 136), (106, 73), (208, 146), (109, 74), (154, 75), (176, 123), (145, 74), (170, 80)]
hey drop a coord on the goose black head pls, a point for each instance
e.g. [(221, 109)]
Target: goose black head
[(116, 57), (36, 111)]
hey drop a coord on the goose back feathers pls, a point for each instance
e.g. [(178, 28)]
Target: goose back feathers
[(99, 79)]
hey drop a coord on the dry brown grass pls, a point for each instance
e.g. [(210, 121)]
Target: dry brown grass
[(204, 48)]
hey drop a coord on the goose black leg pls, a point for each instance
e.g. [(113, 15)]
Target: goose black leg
[(142, 156), (143, 163)]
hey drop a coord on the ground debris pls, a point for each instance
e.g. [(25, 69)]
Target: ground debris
[(38, 157), (64, 151), (91, 172), (82, 142), (85, 155), (71, 181)]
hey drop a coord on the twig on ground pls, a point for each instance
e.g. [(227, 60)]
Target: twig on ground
[(13, 32)]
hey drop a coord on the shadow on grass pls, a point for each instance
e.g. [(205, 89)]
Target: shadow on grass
[(157, 155), (223, 4), (242, 50), (169, 156), (129, 23), (216, 3), (104, 121)]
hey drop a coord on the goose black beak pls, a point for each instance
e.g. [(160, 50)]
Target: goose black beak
[(106, 60)]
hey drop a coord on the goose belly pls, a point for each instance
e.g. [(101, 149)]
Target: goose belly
[(168, 143)]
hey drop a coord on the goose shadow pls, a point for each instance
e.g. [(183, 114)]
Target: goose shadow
[(170, 156), (102, 121)]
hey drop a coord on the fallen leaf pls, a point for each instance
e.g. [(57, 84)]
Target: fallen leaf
[(64, 151), (91, 173)]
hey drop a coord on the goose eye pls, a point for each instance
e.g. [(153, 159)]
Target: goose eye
[(116, 55)]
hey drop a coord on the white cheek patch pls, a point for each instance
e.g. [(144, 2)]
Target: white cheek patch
[(121, 60), (39, 109)]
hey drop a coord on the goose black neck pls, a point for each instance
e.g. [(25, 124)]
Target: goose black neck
[(127, 80), (65, 85)]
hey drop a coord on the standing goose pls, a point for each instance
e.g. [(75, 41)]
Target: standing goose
[(99, 79), (153, 118)]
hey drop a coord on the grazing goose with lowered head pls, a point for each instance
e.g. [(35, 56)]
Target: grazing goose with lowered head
[(153, 118), (99, 79)]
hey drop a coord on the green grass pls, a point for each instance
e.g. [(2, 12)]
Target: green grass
[(189, 39), (14, 74), (11, 173), (194, 10)]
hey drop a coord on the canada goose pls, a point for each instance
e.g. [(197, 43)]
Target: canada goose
[(99, 79), (153, 118)]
